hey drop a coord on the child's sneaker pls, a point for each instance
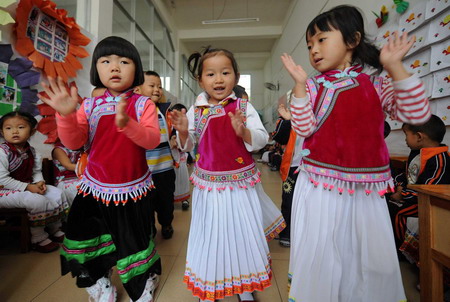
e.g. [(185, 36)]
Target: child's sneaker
[(102, 291), (185, 205), (149, 290), (285, 242)]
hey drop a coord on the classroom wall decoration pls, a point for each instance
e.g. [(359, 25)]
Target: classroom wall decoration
[(50, 39), (5, 17), (429, 57)]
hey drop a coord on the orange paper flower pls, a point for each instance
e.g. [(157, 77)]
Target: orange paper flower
[(67, 64)]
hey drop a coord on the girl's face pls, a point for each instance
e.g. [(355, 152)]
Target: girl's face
[(328, 51), (116, 73), (16, 131), (218, 78)]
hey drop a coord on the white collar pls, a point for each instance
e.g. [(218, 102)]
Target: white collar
[(202, 99)]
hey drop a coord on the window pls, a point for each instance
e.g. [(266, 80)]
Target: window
[(245, 81)]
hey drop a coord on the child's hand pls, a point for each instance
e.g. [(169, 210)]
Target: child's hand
[(284, 113), (237, 121), (392, 54), (179, 120), (41, 185), (297, 73), (122, 117), (60, 97), (34, 188)]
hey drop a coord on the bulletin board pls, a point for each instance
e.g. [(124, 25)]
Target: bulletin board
[(429, 57)]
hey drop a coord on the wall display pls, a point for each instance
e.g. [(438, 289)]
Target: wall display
[(441, 83), (443, 109), (5, 17), (413, 18), (440, 55), (439, 27), (419, 63), (434, 7), (16, 78), (421, 39), (49, 38)]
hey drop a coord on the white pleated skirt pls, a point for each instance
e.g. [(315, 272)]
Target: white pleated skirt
[(342, 247), (227, 250)]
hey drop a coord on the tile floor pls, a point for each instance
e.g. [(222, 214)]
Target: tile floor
[(36, 277)]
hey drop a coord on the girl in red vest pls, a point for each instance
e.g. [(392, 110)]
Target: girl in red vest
[(232, 217), (342, 247), (108, 223)]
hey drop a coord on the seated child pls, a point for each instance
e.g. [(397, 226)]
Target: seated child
[(65, 161), (182, 186), (428, 163), (24, 186)]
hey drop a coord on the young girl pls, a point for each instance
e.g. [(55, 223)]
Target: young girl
[(108, 223), (65, 161), (182, 186), (23, 183), (342, 246), (231, 215)]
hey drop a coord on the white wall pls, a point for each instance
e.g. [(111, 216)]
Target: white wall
[(293, 42)]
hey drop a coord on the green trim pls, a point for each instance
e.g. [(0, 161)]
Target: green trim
[(86, 250), (126, 273)]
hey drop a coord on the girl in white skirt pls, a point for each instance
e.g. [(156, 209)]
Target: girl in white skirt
[(182, 186), (232, 217), (342, 246)]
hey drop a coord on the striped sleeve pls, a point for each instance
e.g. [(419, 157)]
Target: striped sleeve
[(303, 120), (405, 100)]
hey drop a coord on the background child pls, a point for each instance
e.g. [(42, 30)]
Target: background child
[(108, 223), (65, 161), (341, 237), (159, 159), (182, 185), (231, 214), (23, 183), (428, 163)]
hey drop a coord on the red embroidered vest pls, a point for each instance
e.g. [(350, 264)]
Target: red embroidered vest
[(20, 163), (222, 156), (348, 143), (117, 169)]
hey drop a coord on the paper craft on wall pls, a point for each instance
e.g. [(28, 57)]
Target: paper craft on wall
[(384, 34), (5, 17), (413, 18), (441, 83), (16, 78), (419, 63), (442, 108), (382, 17), (439, 28), (50, 39), (421, 39), (401, 6), (440, 55), (434, 7), (428, 83)]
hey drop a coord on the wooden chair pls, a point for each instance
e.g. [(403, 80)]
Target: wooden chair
[(22, 215)]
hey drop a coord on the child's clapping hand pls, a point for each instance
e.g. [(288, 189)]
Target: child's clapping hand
[(60, 96), (297, 73), (122, 117)]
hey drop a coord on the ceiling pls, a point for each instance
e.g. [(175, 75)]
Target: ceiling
[(251, 42)]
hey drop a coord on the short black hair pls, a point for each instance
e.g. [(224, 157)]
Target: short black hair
[(434, 128), (120, 47), (152, 73), (31, 120)]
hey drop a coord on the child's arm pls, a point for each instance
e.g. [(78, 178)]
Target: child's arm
[(72, 125), (303, 120), (406, 100), (255, 135), (62, 157), (184, 123), (144, 133)]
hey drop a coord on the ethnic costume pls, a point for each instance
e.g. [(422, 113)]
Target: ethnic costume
[(342, 248), (17, 170), (232, 217), (182, 185), (108, 224), (66, 180)]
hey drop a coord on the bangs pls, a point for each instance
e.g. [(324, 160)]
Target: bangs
[(323, 22)]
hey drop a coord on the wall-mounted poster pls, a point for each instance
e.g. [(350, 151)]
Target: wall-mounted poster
[(421, 39), (413, 17), (442, 107), (434, 7), (441, 83), (10, 94), (439, 28), (440, 55), (419, 63)]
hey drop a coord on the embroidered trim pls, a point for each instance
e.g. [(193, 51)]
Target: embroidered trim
[(118, 193), (83, 251), (275, 228), (219, 289), (139, 107), (202, 117), (203, 179)]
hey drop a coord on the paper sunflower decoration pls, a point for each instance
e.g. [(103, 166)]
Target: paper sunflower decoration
[(16, 80), (50, 39)]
